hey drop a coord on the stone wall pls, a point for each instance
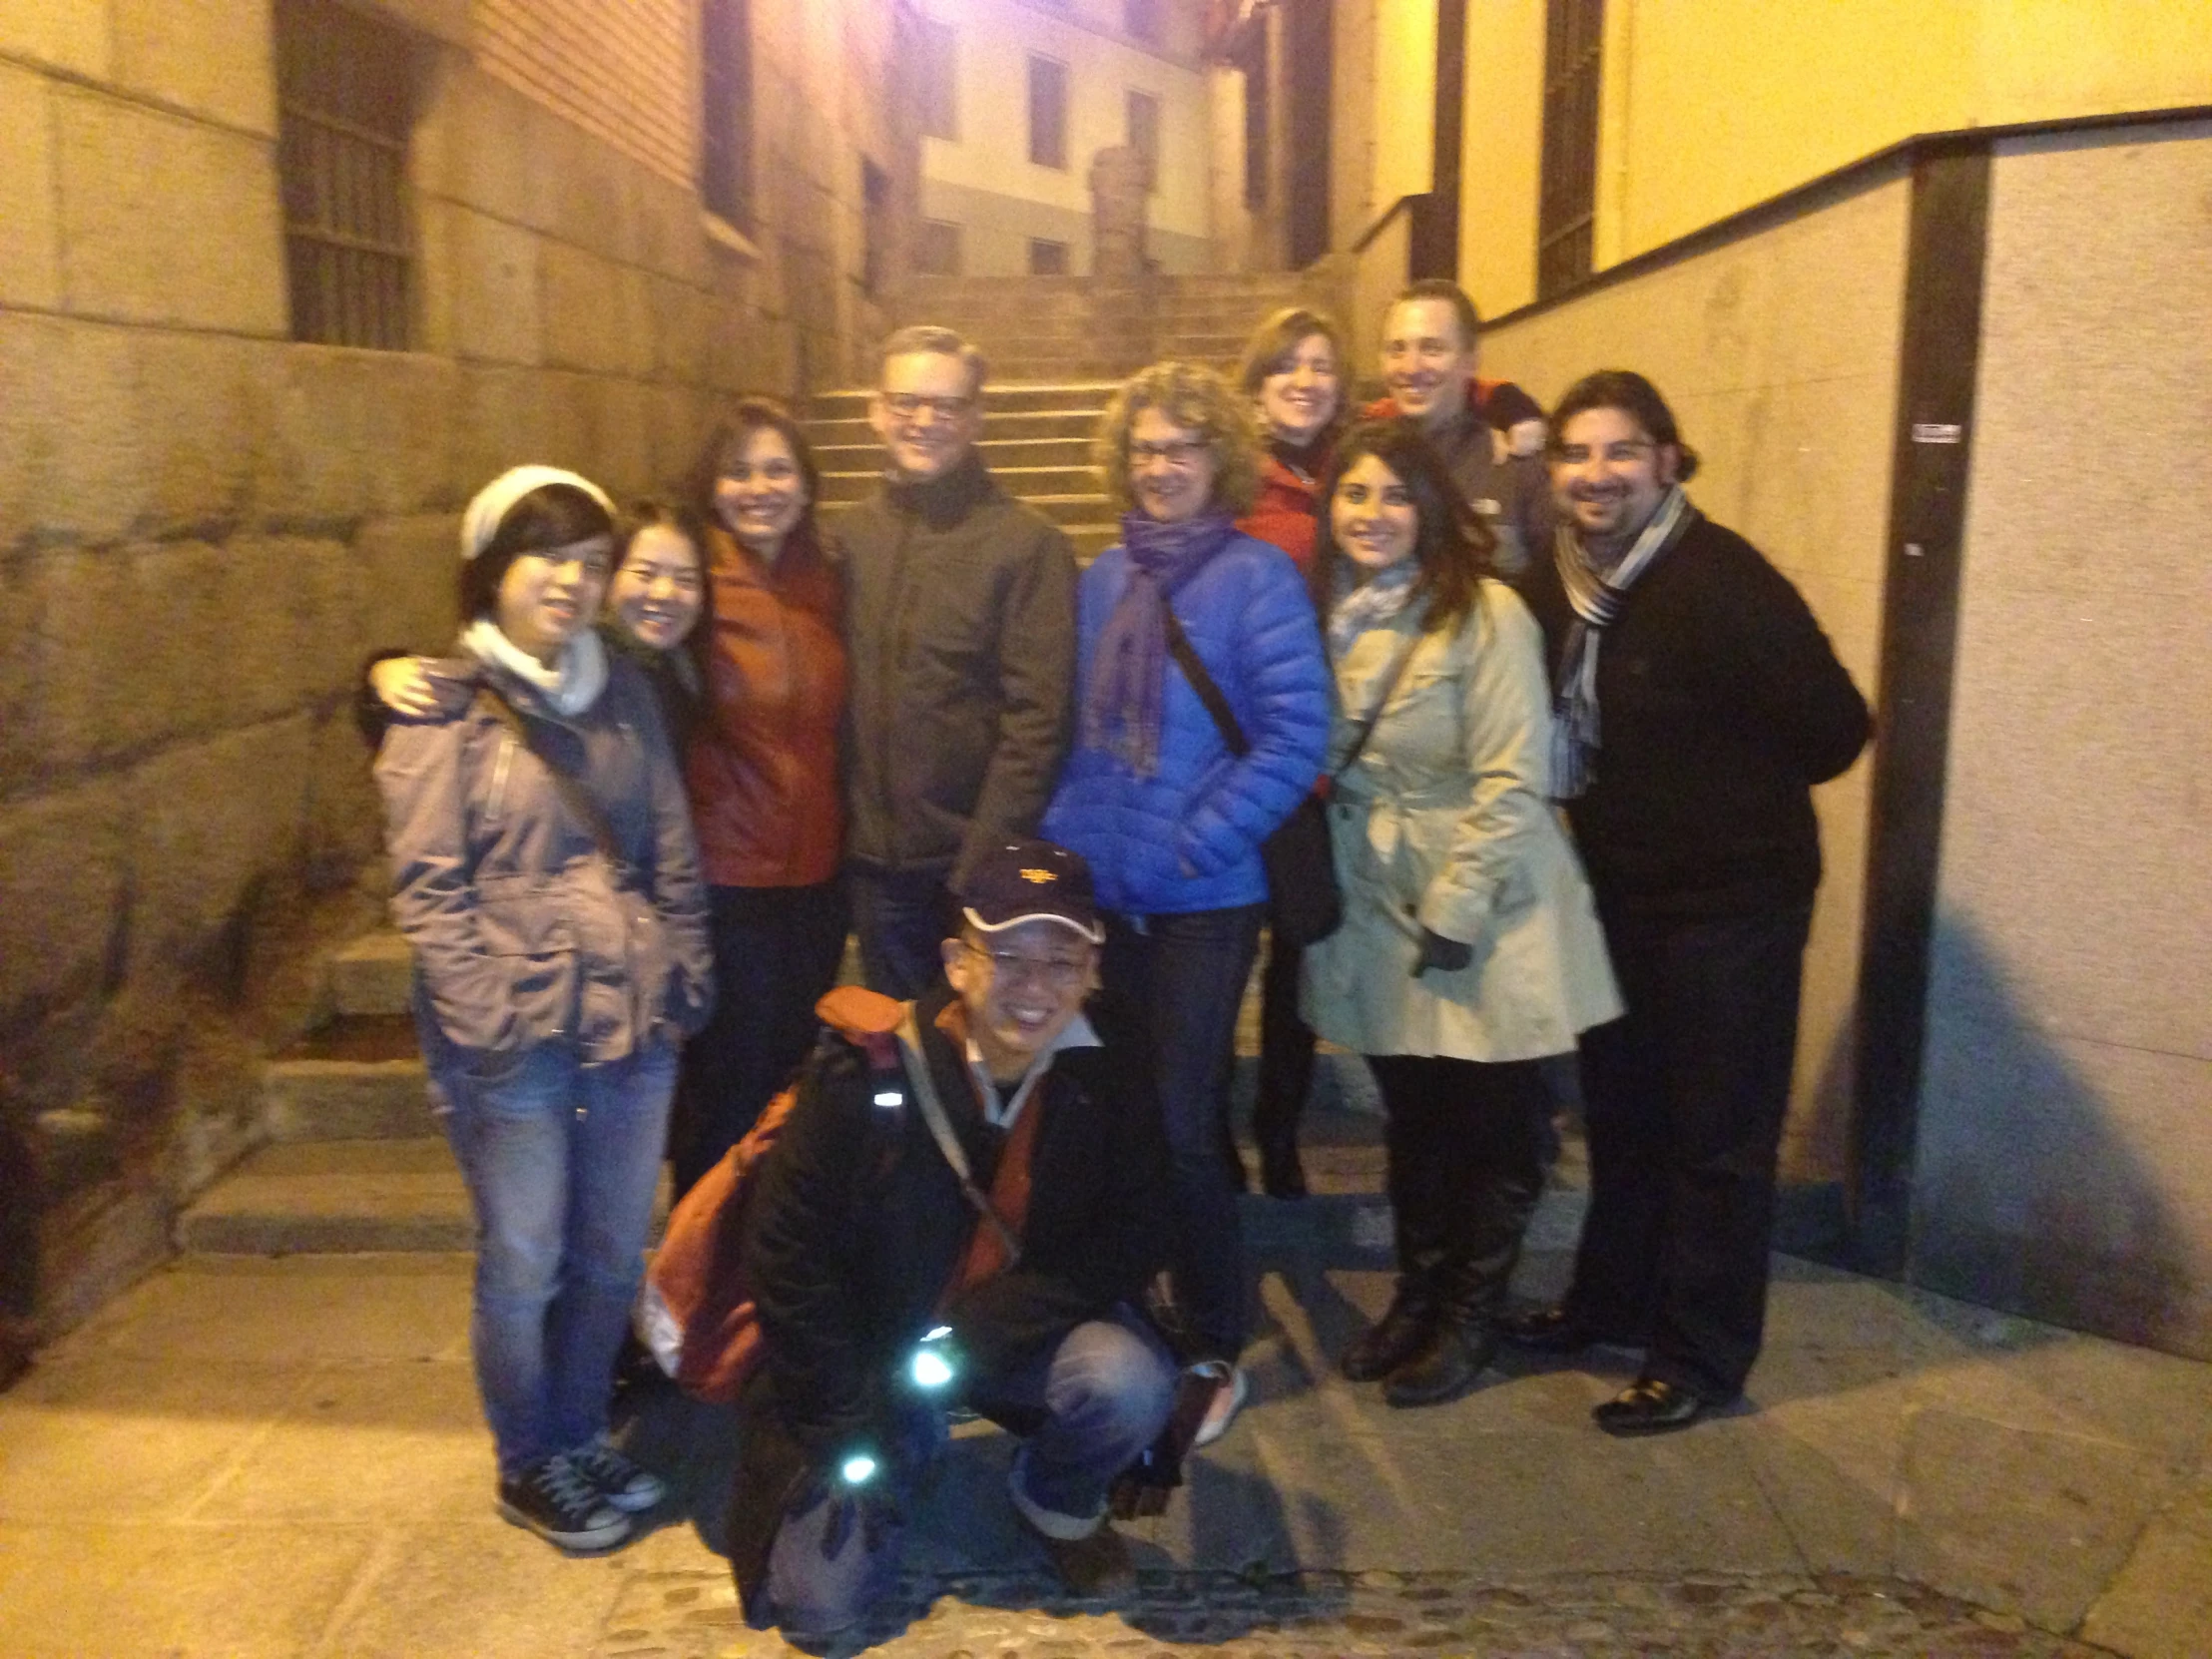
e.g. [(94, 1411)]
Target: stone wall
[(204, 525), (2066, 1136)]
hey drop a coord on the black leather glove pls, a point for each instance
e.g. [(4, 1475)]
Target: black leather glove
[(1436, 952)]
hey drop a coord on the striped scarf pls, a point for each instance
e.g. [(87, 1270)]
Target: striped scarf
[(1597, 597)]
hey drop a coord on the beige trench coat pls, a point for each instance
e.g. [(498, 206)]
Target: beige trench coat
[(1444, 822)]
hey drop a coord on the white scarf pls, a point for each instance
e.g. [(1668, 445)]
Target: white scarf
[(569, 688), (1597, 597)]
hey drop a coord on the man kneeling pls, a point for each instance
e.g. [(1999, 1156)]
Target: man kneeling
[(978, 1228)]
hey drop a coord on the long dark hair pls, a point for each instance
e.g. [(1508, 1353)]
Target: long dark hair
[(1452, 548), (656, 511), (746, 417), (550, 516)]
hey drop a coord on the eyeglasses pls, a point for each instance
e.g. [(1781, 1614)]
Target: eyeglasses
[(1182, 453), (1063, 973), (907, 404), (1624, 453)]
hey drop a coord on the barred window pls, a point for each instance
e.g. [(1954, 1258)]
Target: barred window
[(1567, 206), (346, 103), (725, 111), (1049, 112)]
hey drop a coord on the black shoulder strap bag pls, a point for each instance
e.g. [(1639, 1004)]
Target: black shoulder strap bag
[(1305, 903)]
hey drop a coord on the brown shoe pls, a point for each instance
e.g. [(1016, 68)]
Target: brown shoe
[(1097, 1566)]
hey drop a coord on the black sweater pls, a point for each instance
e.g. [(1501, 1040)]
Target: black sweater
[(1720, 702)]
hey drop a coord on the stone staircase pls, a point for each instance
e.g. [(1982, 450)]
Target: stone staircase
[(1036, 441), (1090, 327), (354, 1161)]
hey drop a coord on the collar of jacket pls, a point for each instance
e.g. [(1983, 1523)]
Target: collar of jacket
[(947, 499)]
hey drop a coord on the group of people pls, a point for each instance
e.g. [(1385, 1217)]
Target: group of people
[(680, 750)]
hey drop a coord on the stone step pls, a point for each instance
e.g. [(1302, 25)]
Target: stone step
[(331, 1197), (373, 975), (1007, 395), (358, 1079), (998, 453)]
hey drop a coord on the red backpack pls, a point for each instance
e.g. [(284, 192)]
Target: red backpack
[(696, 1310)]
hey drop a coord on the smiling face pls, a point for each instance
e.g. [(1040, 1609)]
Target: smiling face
[(927, 414), (1171, 467), (1426, 360), (1299, 395), (760, 491), (1020, 986), (655, 596), (546, 596), (1372, 516), (1609, 477)]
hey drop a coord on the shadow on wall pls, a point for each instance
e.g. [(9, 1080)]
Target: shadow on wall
[(2033, 1189)]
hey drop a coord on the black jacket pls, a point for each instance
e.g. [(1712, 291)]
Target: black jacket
[(1720, 702), (960, 626), (851, 1243)]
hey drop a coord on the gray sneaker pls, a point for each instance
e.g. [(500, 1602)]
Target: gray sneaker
[(552, 1499), (621, 1482)]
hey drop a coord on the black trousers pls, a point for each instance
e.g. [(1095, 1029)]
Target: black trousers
[(1684, 1099), (1286, 1048), (777, 951), (1465, 1145)]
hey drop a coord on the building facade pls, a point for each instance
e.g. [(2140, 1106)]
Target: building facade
[(281, 283), (1019, 96), (1927, 287)]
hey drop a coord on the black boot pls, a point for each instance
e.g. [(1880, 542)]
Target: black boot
[(1445, 1368), (1281, 1174), (1400, 1332)]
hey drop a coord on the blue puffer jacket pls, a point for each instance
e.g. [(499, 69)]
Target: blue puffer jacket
[(1188, 837)]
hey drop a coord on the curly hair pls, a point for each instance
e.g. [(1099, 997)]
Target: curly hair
[(1452, 548), (1197, 398)]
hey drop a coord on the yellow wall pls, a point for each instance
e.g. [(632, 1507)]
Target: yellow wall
[(1405, 99), (1710, 106)]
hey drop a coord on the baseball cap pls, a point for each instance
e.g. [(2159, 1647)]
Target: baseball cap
[(1018, 881)]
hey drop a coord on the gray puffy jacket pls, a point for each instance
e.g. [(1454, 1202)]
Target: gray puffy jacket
[(521, 930)]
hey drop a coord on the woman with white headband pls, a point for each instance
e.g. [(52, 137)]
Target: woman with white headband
[(544, 874)]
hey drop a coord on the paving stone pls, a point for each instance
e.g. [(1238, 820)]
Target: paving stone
[(1562, 1616)]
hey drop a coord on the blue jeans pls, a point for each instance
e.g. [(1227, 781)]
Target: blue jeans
[(1093, 1403), (1184, 975), (902, 917), (561, 1160)]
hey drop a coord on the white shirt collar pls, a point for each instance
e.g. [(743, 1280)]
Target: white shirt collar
[(1077, 1033)]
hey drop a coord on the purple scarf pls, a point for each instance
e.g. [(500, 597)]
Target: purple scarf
[(1128, 680)]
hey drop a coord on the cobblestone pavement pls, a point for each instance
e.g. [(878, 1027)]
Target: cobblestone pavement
[(1322, 1616)]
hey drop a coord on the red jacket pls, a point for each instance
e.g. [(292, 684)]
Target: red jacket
[(1286, 511), (766, 797)]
